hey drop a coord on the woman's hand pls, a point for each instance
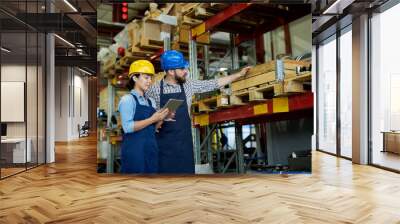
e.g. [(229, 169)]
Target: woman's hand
[(158, 126), (170, 116), (159, 115)]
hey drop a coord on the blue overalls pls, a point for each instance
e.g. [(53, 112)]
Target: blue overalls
[(139, 151), (175, 138)]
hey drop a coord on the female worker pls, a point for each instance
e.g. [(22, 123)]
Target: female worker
[(139, 150)]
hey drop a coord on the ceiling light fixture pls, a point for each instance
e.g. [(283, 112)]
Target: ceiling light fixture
[(5, 49), (70, 5), (64, 40)]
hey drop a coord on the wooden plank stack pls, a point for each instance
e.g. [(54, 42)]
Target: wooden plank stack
[(261, 83)]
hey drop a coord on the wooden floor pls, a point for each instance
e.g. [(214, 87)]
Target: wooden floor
[(10, 171), (70, 191)]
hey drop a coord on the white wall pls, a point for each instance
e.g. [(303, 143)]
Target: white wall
[(71, 94), (33, 127), (61, 103), (16, 73)]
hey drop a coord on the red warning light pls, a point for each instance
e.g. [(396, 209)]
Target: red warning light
[(124, 11)]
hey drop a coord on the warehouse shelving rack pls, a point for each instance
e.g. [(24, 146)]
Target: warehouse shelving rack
[(282, 108)]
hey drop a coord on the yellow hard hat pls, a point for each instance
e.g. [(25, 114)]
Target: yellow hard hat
[(141, 66)]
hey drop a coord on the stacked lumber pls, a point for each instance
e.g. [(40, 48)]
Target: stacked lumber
[(261, 82)]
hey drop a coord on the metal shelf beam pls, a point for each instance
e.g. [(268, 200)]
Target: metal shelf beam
[(275, 106), (219, 18)]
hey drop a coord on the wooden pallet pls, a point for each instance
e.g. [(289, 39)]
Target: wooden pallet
[(264, 92), (188, 8), (293, 85), (186, 20), (303, 77), (253, 81), (195, 108), (199, 13), (138, 53), (290, 67), (213, 103), (118, 67), (240, 97), (265, 74), (253, 94), (126, 61), (149, 44)]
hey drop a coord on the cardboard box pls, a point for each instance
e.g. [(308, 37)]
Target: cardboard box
[(151, 29)]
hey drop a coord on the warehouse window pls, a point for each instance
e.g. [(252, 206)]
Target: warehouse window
[(327, 95), (385, 89), (346, 92)]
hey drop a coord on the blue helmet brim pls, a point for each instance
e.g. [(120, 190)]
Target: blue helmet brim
[(186, 64)]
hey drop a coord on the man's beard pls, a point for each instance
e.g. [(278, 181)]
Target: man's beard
[(180, 80)]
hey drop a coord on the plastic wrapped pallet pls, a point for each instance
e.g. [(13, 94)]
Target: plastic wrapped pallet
[(123, 38)]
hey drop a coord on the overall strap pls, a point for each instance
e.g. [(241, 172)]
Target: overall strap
[(136, 99), (150, 104), (161, 87)]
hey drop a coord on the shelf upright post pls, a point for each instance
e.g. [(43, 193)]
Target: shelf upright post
[(235, 53), (239, 148), (258, 143), (167, 43), (209, 148), (206, 62), (194, 76)]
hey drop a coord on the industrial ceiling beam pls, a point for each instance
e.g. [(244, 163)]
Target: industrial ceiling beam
[(86, 26), (82, 61), (219, 18)]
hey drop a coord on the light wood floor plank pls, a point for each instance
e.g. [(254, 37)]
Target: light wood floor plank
[(70, 191)]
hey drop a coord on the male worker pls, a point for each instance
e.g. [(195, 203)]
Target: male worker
[(175, 137)]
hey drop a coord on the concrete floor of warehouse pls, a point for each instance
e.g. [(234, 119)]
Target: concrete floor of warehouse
[(70, 191)]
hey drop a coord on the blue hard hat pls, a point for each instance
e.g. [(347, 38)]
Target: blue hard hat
[(173, 59)]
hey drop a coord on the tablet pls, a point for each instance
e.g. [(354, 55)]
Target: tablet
[(173, 104)]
